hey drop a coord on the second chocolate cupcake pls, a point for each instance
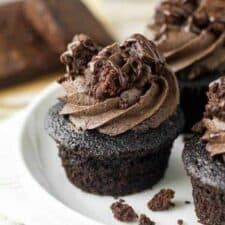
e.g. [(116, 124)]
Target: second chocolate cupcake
[(191, 35), (204, 158), (117, 122)]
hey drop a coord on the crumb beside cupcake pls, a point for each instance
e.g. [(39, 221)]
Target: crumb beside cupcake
[(191, 35), (204, 158), (116, 124)]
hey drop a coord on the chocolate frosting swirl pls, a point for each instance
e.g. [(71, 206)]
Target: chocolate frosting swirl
[(191, 35), (117, 88), (213, 124)]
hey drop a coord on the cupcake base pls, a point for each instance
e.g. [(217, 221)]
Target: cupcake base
[(117, 166), (208, 180), (193, 98), (115, 176), (209, 202)]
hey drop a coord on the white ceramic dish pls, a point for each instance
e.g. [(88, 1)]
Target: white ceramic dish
[(47, 184)]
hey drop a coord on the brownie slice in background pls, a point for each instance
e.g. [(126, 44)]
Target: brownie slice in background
[(58, 21), (23, 53)]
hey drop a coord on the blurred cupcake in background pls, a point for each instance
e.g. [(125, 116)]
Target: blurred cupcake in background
[(191, 36)]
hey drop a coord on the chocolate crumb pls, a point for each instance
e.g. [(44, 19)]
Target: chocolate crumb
[(123, 212), (216, 96), (144, 220), (187, 202), (123, 68), (162, 200), (180, 222)]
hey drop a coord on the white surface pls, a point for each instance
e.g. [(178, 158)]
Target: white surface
[(48, 186), (131, 16), (15, 205)]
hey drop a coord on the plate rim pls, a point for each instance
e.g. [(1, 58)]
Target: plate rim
[(26, 176)]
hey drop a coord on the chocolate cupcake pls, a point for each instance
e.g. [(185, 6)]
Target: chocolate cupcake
[(117, 122), (204, 158), (191, 35)]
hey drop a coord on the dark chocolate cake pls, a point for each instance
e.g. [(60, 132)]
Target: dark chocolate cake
[(204, 158), (117, 166), (116, 124)]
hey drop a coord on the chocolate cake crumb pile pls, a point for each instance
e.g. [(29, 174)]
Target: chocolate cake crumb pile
[(118, 68), (162, 200), (144, 220), (123, 212), (126, 69), (78, 54)]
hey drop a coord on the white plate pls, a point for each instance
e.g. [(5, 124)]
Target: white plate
[(47, 184)]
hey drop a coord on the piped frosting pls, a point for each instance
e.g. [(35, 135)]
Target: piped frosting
[(191, 35), (117, 88)]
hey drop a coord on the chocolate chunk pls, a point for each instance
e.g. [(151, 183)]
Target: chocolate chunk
[(78, 55), (104, 74), (23, 53), (180, 222), (123, 212), (59, 20), (119, 68), (187, 202), (162, 200), (144, 220), (216, 96)]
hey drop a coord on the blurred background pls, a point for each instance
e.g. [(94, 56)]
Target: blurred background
[(19, 87)]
